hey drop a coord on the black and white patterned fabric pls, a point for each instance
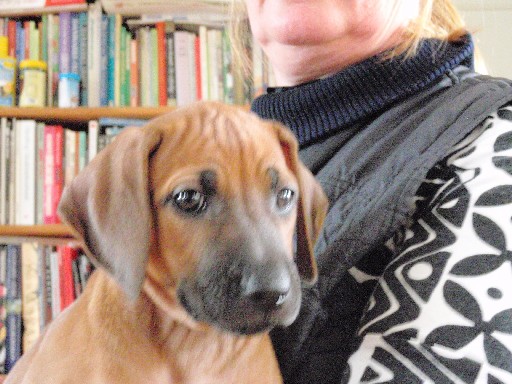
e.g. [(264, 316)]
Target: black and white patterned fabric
[(441, 312)]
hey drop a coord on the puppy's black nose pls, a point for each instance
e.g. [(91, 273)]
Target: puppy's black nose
[(266, 286)]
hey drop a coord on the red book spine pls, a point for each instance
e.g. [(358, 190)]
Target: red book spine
[(50, 3), (134, 73), (52, 172), (67, 255), (162, 63), (11, 37), (26, 27), (197, 48)]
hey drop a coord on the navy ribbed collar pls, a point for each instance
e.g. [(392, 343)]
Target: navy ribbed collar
[(320, 108)]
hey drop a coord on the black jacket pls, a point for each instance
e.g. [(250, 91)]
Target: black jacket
[(370, 134)]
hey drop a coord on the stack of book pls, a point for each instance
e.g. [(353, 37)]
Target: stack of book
[(36, 283), (38, 160), (143, 61)]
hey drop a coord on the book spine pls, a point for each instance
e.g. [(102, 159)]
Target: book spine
[(181, 48), (53, 55), (20, 41), (4, 161), (39, 172), (11, 37), (75, 44), (53, 172), (104, 55), (162, 63), (13, 306), (54, 3), (55, 283), (30, 294), (92, 139), (94, 54), (25, 172), (111, 43), (117, 60), (46, 273), (82, 150), (203, 60), (171, 70), (83, 57), (3, 306), (65, 42), (69, 156), (134, 73), (12, 175), (154, 67), (67, 255)]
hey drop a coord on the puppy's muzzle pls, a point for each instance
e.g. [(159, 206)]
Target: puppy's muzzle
[(248, 289), (266, 286)]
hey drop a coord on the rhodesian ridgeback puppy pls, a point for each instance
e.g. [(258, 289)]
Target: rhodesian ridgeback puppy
[(191, 221)]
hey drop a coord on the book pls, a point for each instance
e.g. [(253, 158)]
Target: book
[(65, 42), (92, 139), (75, 39), (70, 156), (55, 3), (13, 306), (134, 73), (67, 255), (39, 172), (30, 294), (55, 282), (46, 285), (11, 171), (25, 198), (171, 69), (53, 59), (53, 172), (94, 54), (10, 5), (104, 66), (3, 306), (162, 63), (4, 167), (83, 69), (184, 65)]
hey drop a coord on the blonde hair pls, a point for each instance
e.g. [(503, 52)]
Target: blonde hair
[(438, 19)]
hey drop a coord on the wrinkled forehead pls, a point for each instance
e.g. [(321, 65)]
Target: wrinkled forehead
[(217, 137)]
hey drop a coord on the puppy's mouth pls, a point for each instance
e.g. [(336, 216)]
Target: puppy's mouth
[(235, 314)]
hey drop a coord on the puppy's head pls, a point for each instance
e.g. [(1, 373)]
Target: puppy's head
[(201, 205)]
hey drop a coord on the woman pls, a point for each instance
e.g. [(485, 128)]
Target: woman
[(414, 150)]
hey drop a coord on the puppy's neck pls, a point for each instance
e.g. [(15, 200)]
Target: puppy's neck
[(182, 340)]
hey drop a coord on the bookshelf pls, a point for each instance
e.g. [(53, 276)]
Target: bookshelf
[(125, 19), (110, 30)]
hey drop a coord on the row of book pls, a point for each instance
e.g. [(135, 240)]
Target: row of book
[(133, 62), (37, 282), (38, 160)]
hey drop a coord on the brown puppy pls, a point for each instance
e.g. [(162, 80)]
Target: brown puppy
[(190, 220)]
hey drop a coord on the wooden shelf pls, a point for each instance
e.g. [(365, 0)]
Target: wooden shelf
[(81, 114), (34, 11), (44, 233)]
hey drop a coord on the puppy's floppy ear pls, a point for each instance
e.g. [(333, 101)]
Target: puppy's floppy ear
[(108, 207), (312, 207)]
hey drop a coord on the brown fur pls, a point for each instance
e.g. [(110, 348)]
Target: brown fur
[(129, 326)]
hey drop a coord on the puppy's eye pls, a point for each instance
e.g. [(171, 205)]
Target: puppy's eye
[(190, 201), (285, 199)]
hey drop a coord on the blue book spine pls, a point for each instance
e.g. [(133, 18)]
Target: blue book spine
[(13, 306), (75, 44), (82, 22), (65, 42), (20, 41), (104, 86), (111, 59)]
